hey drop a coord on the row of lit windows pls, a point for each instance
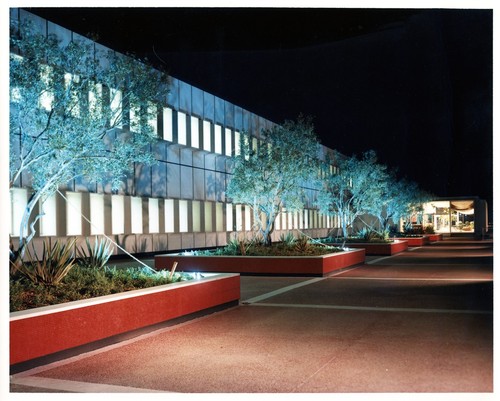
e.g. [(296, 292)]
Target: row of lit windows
[(178, 215), (199, 135)]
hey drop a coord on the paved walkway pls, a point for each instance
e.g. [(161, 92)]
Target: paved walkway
[(417, 322)]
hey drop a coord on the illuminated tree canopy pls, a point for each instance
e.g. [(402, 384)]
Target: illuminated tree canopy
[(272, 177), (353, 190), (76, 112)]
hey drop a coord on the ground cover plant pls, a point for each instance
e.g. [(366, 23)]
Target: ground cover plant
[(62, 275), (287, 246)]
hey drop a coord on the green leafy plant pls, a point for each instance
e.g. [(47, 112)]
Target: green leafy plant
[(287, 239), (302, 245), (56, 262), (95, 256), (429, 229)]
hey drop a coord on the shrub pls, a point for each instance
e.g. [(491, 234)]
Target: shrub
[(287, 239), (95, 256), (56, 262)]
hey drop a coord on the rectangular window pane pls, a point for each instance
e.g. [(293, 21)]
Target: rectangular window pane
[(183, 216), (229, 217), (218, 139), (73, 213), (248, 221), (48, 221), (136, 214), (196, 217), (118, 214), (153, 117), (195, 132), (237, 145), (219, 217), (239, 218), (277, 222), (208, 217), (167, 124), (229, 144), (181, 128), (154, 216), (19, 200), (169, 215), (96, 214), (207, 140), (116, 107)]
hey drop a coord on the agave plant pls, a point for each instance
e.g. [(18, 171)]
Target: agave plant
[(287, 239), (95, 256), (56, 262), (302, 245)]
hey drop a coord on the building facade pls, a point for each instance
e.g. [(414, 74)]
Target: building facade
[(178, 203)]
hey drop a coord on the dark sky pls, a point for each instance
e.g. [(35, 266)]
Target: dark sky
[(414, 85)]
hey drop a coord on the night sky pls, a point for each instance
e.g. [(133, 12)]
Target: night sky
[(414, 85)]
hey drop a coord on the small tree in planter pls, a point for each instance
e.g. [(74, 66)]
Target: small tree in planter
[(352, 191), (76, 112), (271, 177)]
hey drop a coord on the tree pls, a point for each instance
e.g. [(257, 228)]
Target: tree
[(76, 112), (353, 190), (270, 178)]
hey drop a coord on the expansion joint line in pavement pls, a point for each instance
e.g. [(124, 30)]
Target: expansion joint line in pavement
[(376, 308), (289, 288)]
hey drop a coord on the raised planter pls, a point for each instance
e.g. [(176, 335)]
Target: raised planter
[(372, 248), (272, 265), (434, 237), (415, 241), (43, 331)]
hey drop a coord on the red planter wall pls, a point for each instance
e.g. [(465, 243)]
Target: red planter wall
[(43, 331), (381, 249), (300, 265), (415, 241)]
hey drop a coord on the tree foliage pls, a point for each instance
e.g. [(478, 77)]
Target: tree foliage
[(271, 177), (76, 112), (353, 190)]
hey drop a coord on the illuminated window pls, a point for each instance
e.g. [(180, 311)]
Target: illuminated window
[(135, 120), (277, 222), (73, 213), (154, 215), (167, 124), (196, 216), (136, 214), (46, 97), (153, 117), (96, 214), (306, 219), (74, 105), (283, 216), (181, 128), (207, 140), (183, 216), (219, 217), (290, 220), (228, 142), (218, 139), (95, 100), (169, 215), (301, 219), (237, 143), (18, 202), (296, 220), (255, 144), (48, 221), (248, 216), (115, 97), (239, 218), (118, 214), (229, 217), (195, 132), (208, 217)]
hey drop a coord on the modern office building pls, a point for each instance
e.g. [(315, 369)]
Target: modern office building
[(177, 204)]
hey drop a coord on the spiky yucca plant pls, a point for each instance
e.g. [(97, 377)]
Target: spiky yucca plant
[(56, 262), (95, 256)]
